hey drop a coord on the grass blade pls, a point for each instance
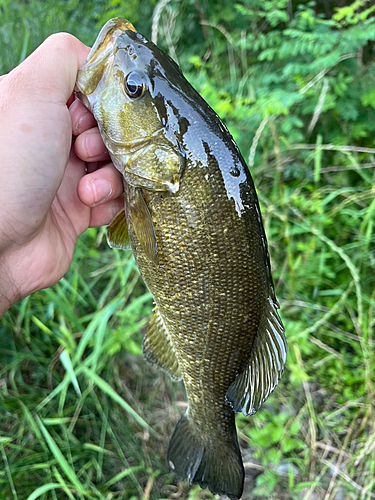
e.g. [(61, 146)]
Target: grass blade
[(67, 363), (9, 474), (318, 158), (61, 460), (43, 489), (100, 320), (105, 387), (62, 483), (123, 474)]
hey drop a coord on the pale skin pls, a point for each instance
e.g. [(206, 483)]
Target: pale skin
[(56, 178)]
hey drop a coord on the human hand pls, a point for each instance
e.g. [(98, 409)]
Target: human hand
[(47, 198)]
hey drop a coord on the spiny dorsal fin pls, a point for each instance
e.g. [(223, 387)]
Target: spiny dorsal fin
[(158, 349), (253, 386), (117, 232)]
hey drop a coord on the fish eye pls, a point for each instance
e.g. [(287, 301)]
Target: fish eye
[(134, 85)]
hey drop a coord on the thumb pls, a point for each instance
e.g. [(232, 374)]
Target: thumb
[(51, 70)]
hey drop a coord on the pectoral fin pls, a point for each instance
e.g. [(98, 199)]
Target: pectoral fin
[(117, 232), (158, 349), (253, 386), (142, 223)]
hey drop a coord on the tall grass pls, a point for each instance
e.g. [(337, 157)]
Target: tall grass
[(84, 417)]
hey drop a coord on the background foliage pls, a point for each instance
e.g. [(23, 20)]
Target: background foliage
[(81, 414)]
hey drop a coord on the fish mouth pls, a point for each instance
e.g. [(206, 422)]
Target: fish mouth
[(104, 48)]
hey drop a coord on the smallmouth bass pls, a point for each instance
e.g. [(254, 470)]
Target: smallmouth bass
[(193, 222)]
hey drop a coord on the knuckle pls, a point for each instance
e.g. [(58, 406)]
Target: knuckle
[(61, 41)]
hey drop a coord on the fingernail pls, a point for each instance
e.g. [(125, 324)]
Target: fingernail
[(102, 190)]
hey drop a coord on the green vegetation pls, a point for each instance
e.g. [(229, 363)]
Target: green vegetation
[(82, 415)]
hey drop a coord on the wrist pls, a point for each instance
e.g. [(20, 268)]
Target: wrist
[(8, 290), (4, 304)]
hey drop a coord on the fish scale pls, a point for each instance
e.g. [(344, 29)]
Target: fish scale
[(205, 274), (193, 221), (210, 304)]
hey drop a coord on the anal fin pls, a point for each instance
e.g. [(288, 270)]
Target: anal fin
[(158, 349), (266, 365)]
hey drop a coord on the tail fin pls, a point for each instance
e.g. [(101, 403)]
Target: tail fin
[(216, 465)]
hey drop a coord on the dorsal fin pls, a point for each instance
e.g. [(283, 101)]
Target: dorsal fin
[(266, 365)]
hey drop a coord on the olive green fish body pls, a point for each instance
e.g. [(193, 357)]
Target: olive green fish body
[(201, 258), (207, 284), (194, 225)]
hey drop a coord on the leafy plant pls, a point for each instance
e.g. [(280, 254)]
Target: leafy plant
[(82, 415)]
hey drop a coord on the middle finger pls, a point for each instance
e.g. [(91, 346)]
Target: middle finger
[(81, 117), (90, 147)]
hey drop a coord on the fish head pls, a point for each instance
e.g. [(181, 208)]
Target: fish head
[(121, 83)]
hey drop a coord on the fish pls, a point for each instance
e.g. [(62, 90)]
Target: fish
[(192, 219)]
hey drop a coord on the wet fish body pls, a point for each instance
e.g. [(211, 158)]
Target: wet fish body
[(193, 221)]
